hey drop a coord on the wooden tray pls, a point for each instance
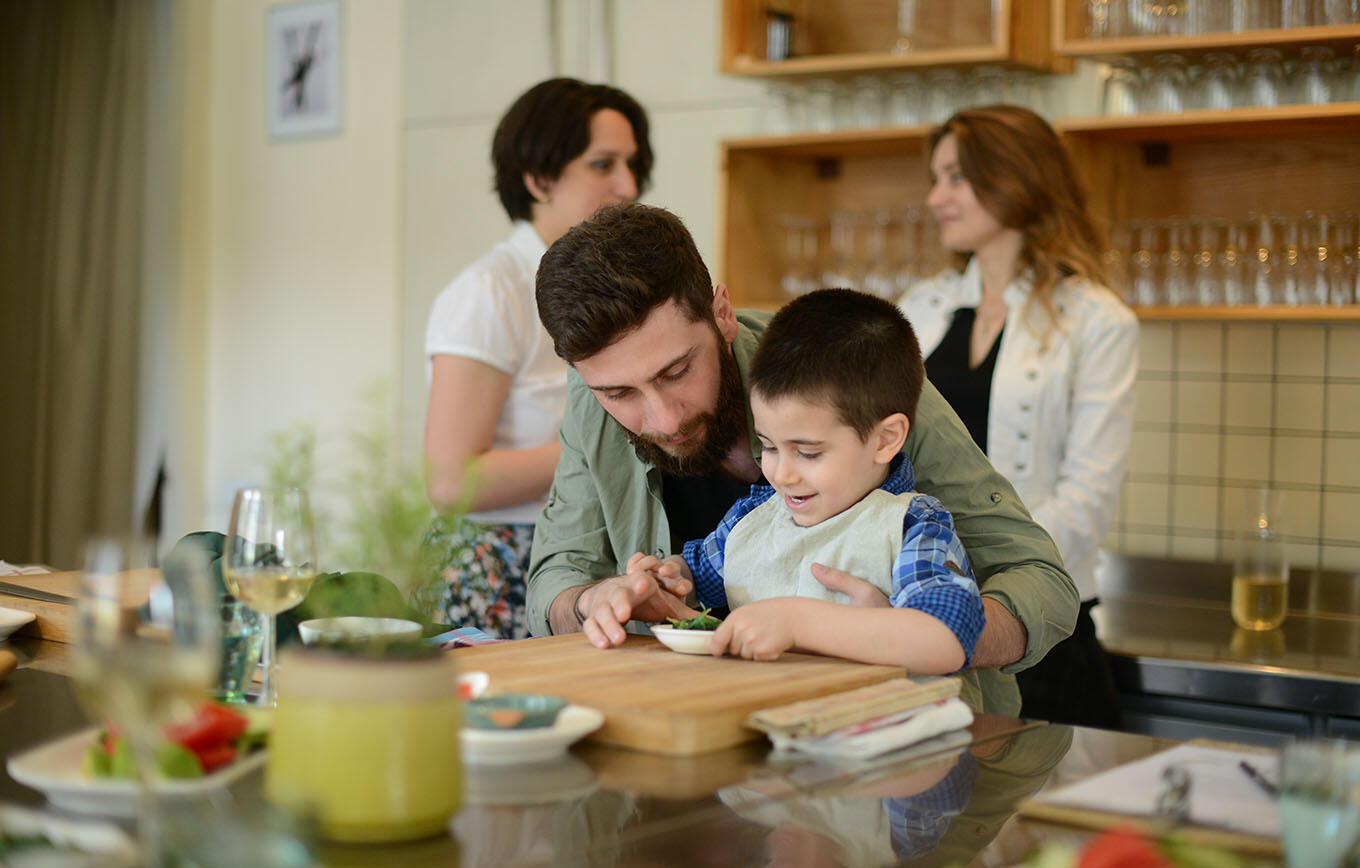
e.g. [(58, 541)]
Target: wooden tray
[(56, 621), (656, 700)]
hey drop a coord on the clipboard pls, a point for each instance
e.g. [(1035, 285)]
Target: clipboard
[(1129, 783)]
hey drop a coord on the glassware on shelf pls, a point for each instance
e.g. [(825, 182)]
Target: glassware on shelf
[(907, 21), (867, 102), (1315, 76), (1176, 277), (988, 85), (1264, 81), (1261, 261), (908, 255), (1210, 16), (1346, 289), (1107, 19), (881, 278), (821, 105), (1322, 258), (844, 269), (1255, 14), (941, 95), (1341, 12), (786, 109), (1232, 262), (1206, 284), (1122, 90), (1292, 262), (1300, 13), (1219, 81), (904, 99), (800, 255), (1146, 284), (1116, 261), (1166, 85)]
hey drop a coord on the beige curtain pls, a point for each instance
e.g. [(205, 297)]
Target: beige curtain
[(72, 161)]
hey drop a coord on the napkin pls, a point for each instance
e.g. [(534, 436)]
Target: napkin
[(880, 735)]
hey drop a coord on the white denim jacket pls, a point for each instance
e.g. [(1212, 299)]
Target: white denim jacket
[(1061, 411)]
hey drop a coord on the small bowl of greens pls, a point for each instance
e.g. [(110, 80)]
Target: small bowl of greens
[(688, 635)]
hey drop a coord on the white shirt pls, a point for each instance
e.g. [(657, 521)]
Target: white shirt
[(488, 313), (1060, 416)]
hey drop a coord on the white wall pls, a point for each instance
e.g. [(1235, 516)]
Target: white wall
[(303, 268)]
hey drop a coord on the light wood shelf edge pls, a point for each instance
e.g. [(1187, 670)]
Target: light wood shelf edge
[(1201, 122), (851, 137), (1094, 49), (834, 64), (1306, 313)]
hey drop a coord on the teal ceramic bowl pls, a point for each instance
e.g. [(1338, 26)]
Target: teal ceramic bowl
[(512, 711)]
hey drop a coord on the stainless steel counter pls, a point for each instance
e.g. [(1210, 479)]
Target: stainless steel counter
[(1184, 669)]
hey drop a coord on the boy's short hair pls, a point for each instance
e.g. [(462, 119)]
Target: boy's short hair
[(851, 350), (605, 276), (548, 126)]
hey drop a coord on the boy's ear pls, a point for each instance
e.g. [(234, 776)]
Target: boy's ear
[(889, 436)]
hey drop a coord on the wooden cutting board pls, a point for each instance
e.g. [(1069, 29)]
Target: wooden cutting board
[(56, 621), (656, 700)]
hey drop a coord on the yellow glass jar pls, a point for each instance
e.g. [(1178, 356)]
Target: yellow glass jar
[(368, 747)]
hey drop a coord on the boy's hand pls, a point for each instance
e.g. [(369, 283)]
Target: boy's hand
[(860, 592), (759, 631)]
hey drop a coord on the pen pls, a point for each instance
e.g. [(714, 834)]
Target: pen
[(1259, 779)]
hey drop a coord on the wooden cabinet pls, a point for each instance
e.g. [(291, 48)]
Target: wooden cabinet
[(1227, 163), (833, 37)]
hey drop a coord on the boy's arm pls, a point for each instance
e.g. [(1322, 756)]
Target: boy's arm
[(895, 637), (932, 573)]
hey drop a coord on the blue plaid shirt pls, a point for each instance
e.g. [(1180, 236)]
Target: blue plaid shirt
[(931, 574)]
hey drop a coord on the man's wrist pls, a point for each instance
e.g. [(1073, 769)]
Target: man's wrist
[(576, 608)]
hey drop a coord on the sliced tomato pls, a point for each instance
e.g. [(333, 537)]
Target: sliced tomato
[(1122, 847), (215, 725), (216, 756)]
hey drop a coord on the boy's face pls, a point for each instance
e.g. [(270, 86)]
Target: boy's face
[(816, 462)]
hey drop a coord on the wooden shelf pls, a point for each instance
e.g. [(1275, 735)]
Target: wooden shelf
[(1305, 313), (842, 37), (839, 143), (1220, 123)]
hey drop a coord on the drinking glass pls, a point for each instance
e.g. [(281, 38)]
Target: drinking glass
[(1260, 585), (1255, 14), (867, 100), (904, 99), (1108, 19), (1166, 84), (844, 270), (907, 40), (1319, 801), (242, 641), (821, 105), (1206, 284), (1122, 89), (1314, 78), (989, 85), (1341, 11), (942, 94), (1345, 285), (880, 279), (1318, 256), (1116, 259), (1300, 13), (800, 255), (1292, 264), (1219, 81), (142, 676), (1264, 83), (1146, 287), (1232, 262), (908, 256), (1176, 276), (1261, 260), (270, 561)]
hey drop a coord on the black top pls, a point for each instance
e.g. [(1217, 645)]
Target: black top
[(968, 390), (695, 505)]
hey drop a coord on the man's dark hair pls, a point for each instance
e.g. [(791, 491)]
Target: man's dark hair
[(853, 351), (548, 127), (605, 276)]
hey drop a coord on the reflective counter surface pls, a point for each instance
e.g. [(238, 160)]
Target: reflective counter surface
[(602, 806)]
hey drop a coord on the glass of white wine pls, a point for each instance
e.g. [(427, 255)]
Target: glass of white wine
[(270, 561), (142, 674), (1260, 585)]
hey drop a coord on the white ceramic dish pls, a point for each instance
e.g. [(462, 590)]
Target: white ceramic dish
[(13, 619), (356, 627), (684, 641), (472, 684), (54, 769), (511, 746), (74, 842)]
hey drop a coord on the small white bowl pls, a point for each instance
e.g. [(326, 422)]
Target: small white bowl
[(356, 627), (473, 684), (684, 641), (13, 619)]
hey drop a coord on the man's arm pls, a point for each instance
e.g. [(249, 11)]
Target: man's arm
[(1031, 602)]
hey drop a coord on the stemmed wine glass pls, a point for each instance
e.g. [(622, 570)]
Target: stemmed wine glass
[(270, 561), (144, 674)]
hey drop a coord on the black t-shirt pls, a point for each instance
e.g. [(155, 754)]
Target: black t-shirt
[(696, 504), (968, 390)]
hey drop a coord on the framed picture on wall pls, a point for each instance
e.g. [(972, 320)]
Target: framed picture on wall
[(302, 81)]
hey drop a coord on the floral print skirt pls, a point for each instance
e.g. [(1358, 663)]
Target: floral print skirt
[(483, 569)]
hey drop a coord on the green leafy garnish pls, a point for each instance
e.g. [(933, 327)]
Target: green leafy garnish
[(702, 621)]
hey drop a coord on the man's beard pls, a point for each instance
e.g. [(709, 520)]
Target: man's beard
[(721, 428)]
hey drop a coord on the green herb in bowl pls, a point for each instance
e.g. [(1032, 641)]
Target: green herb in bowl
[(702, 621)]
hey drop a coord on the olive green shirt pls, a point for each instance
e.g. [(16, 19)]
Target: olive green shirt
[(605, 505)]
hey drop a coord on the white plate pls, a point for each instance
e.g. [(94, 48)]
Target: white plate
[(356, 627), (503, 747), (13, 619), (684, 641), (54, 769)]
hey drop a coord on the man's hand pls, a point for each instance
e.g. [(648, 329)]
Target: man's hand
[(643, 594), (860, 592), (761, 630)]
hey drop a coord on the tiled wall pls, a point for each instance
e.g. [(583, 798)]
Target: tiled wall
[(1225, 407)]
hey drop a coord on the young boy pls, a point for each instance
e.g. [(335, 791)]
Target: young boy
[(834, 386)]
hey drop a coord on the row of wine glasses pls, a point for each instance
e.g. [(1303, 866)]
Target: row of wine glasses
[(881, 252), (901, 99), (143, 672), (1117, 19), (1265, 259), (1222, 81)]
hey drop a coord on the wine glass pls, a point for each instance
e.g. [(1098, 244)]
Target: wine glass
[(270, 561), (144, 674)]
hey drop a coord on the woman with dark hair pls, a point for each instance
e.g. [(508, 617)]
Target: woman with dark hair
[(1037, 356), (497, 390)]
